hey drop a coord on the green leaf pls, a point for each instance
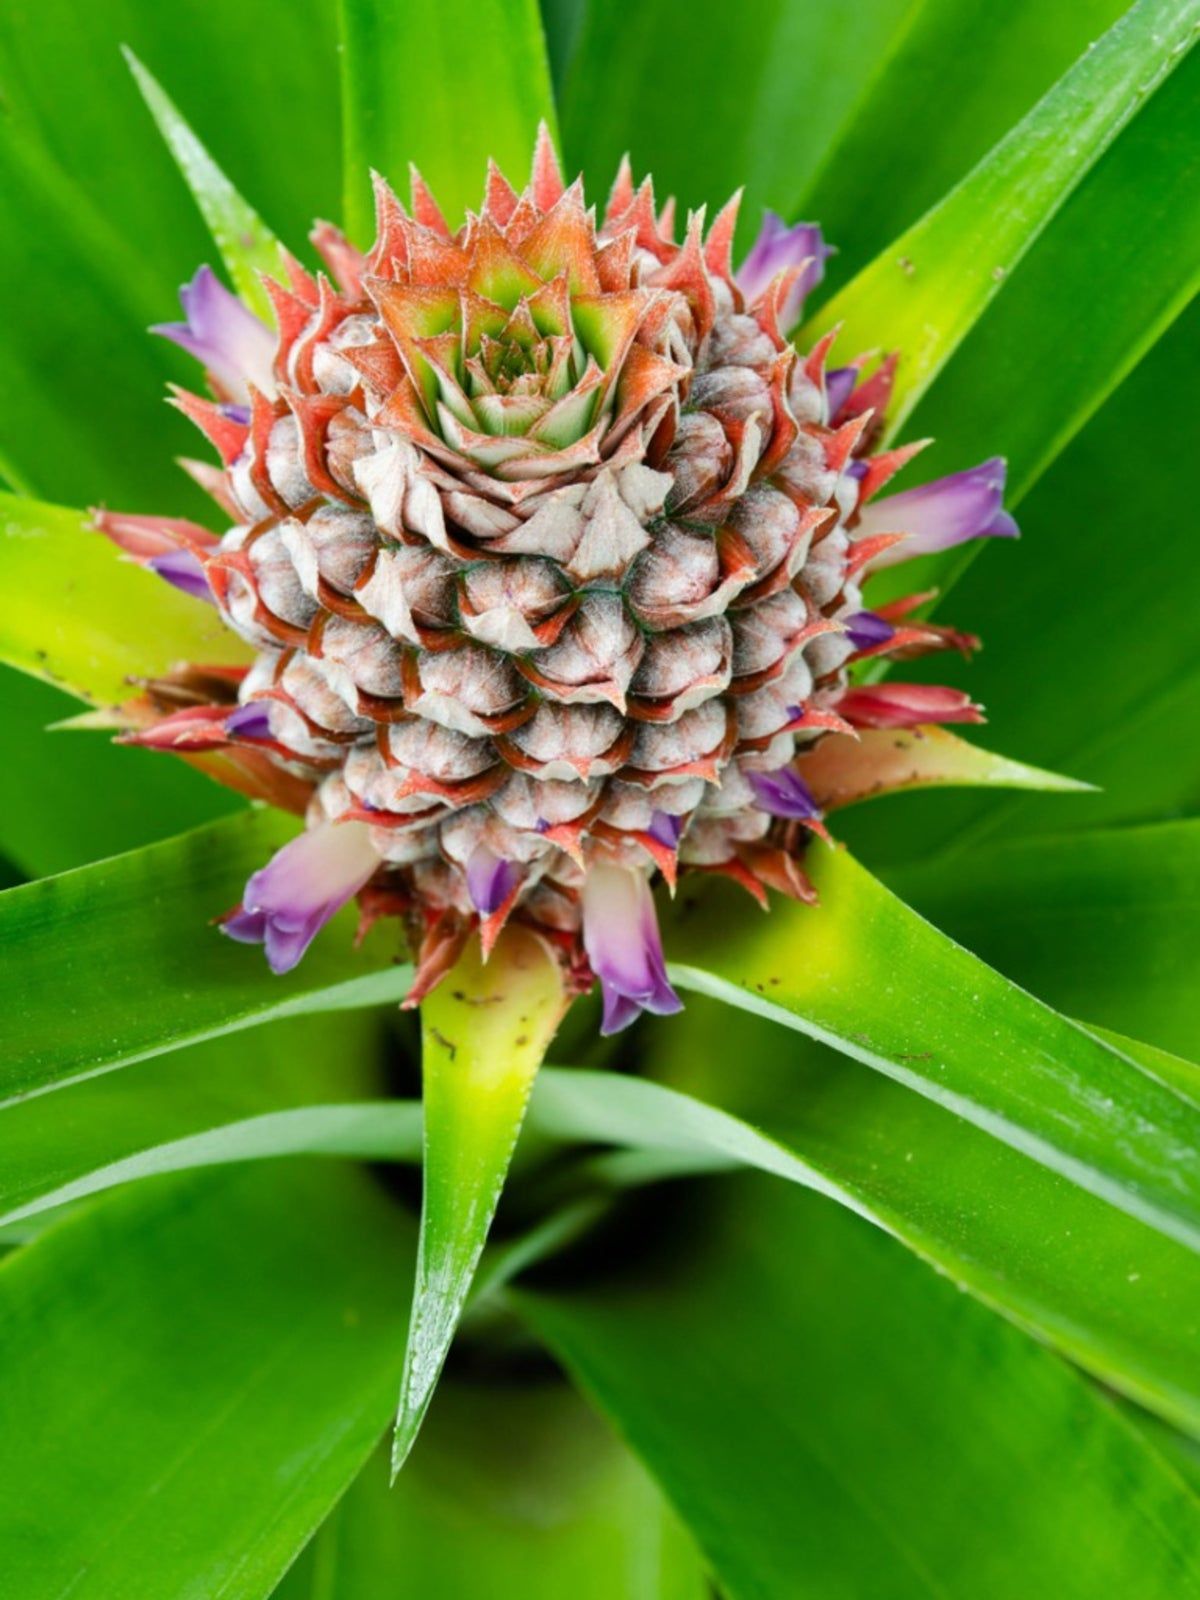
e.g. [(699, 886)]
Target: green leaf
[(517, 1489), (917, 129), (562, 20), (376, 1131), (1105, 923), (1109, 1292), (885, 761), (1092, 676), (98, 231), (248, 247), (1182, 1076), (257, 83), (88, 621), (119, 961), (85, 303), (194, 1372), (870, 977), (727, 96), (1182, 1452), (132, 796), (858, 1416), (228, 1099), (925, 291), (444, 84), (1138, 209), (484, 1032)]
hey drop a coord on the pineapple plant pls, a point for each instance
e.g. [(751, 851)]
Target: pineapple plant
[(543, 544), (559, 571)]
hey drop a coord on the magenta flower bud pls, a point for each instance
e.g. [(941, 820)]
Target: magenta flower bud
[(235, 347), (906, 705), (289, 901), (624, 949), (777, 248), (941, 514)]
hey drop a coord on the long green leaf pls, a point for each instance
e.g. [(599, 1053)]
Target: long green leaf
[(248, 247), (1181, 1451), (869, 976), (191, 1375), (85, 301), (858, 1416), (484, 1031), (517, 1490), (753, 97), (1105, 923), (1049, 666), (1181, 1075), (444, 84), (918, 128), (120, 961), (98, 230), (88, 621), (374, 1131), (1109, 1292), (228, 1099), (1140, 208), (133, 797), (925, 291), (562, 20), (258, 84)]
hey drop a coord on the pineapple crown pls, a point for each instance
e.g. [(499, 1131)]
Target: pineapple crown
[(550, 545)]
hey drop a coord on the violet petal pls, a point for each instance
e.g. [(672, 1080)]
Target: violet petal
[(184, 571), (840, 383), (784, 794), (490, 879), (229, 339), (624, 948), (942, 514), (287, 902), (251, 721), (777, 248), (866, 631), (666, 829)]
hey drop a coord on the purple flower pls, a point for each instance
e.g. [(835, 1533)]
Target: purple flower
[(251, 721), (620, 935), (290, 900), (183, 571), (666, 829), (777, 248), (840, 383), (490, 879), (784, 794), (941, 514), (235, 347), (866, 631)]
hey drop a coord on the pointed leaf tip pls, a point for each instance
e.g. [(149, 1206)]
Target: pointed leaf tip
[(248, 247), (485, 1030), (930, 286)]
